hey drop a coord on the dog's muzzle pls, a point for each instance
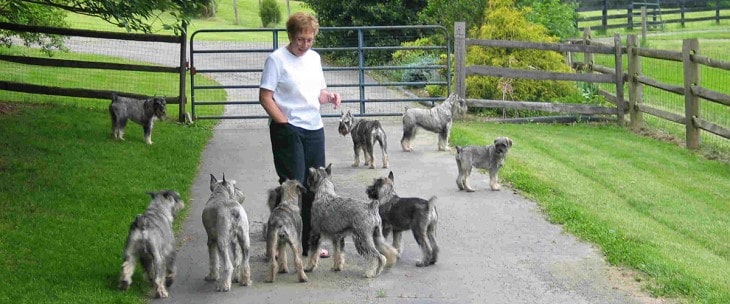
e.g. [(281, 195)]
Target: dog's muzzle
[(343, 129)]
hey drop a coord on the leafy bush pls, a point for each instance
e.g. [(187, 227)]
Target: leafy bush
[(270, 13), (557, 16), (504, 22)]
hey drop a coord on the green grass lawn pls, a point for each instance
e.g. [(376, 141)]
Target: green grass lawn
[(649, 205), (69, 193), (224, 19)]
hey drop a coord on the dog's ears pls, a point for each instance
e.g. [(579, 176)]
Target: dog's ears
[(213, 181), (301, 188), (390, 176), (509, 142), (328, 169)]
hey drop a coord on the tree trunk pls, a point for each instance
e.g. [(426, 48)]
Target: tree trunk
[(236, 20)]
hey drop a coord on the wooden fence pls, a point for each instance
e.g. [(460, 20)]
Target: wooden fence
[(692, 90), (628, 15), (92, 93)]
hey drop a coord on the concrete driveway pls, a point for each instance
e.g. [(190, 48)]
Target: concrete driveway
[(496, 247)]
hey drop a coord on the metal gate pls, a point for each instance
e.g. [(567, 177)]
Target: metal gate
[(377, 69)]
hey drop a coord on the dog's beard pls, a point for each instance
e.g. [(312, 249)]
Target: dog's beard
[(343, 129)]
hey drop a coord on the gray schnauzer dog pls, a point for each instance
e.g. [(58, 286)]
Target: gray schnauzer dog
[(489, 157), (226, 224), (336, 217), (407, 213), (364, 135), (437, 119), (141, 111), (152, 240), (284, 228)]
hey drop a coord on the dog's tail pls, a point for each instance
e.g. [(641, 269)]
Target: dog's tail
[(140, 222), (459, 149), (274, 198), (432, 208)]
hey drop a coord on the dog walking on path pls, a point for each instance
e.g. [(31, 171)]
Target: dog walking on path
[(226, 224), (407, 213), (336, 217), (152, 240)]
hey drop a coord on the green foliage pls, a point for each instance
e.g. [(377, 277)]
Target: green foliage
[(366, 13), (504, 22), (132, 15), (414, 59), (270, 13), (447, 12), (557, 16), (32, 14)]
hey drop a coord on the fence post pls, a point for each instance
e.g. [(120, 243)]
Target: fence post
[(182, 113), (717, 11), (681, 13), (588, 57), (604, 16), (643, 24), (630, 15), (620, 107), (636, 89), (691, 47), (460, 58)]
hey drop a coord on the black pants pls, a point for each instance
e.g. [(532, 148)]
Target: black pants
[(295, 151)]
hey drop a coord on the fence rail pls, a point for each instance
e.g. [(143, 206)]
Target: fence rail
[(660, 13), (79, 64), (691, 89)]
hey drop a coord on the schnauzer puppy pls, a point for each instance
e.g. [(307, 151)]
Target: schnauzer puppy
[(284, 228), (143, 112), (364, 135), (226, 224), (336, 217), (437, 119), (407, 213), (152, 240), (489, 157)]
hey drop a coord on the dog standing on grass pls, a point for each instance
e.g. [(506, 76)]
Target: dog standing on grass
[(437, 119), (141, 111), (407, 213), (226, 224), (336, 217), (284, 228), (152, 240), (489, 157), (364, 135)]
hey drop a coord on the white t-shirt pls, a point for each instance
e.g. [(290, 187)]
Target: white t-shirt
[(296, 83)]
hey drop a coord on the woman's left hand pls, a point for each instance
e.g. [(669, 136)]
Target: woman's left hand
[(335, 99)]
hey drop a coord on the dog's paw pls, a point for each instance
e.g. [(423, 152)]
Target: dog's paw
[(123, 285), (211, 278), (161, 293), (496, 187), (303, 279), (224, 287)]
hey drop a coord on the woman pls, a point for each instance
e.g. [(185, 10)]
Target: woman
[(291, 91)]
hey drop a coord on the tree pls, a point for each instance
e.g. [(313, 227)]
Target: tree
[(31, 14), (447, 12), (365, 13), (557, 16), (133, 15)]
